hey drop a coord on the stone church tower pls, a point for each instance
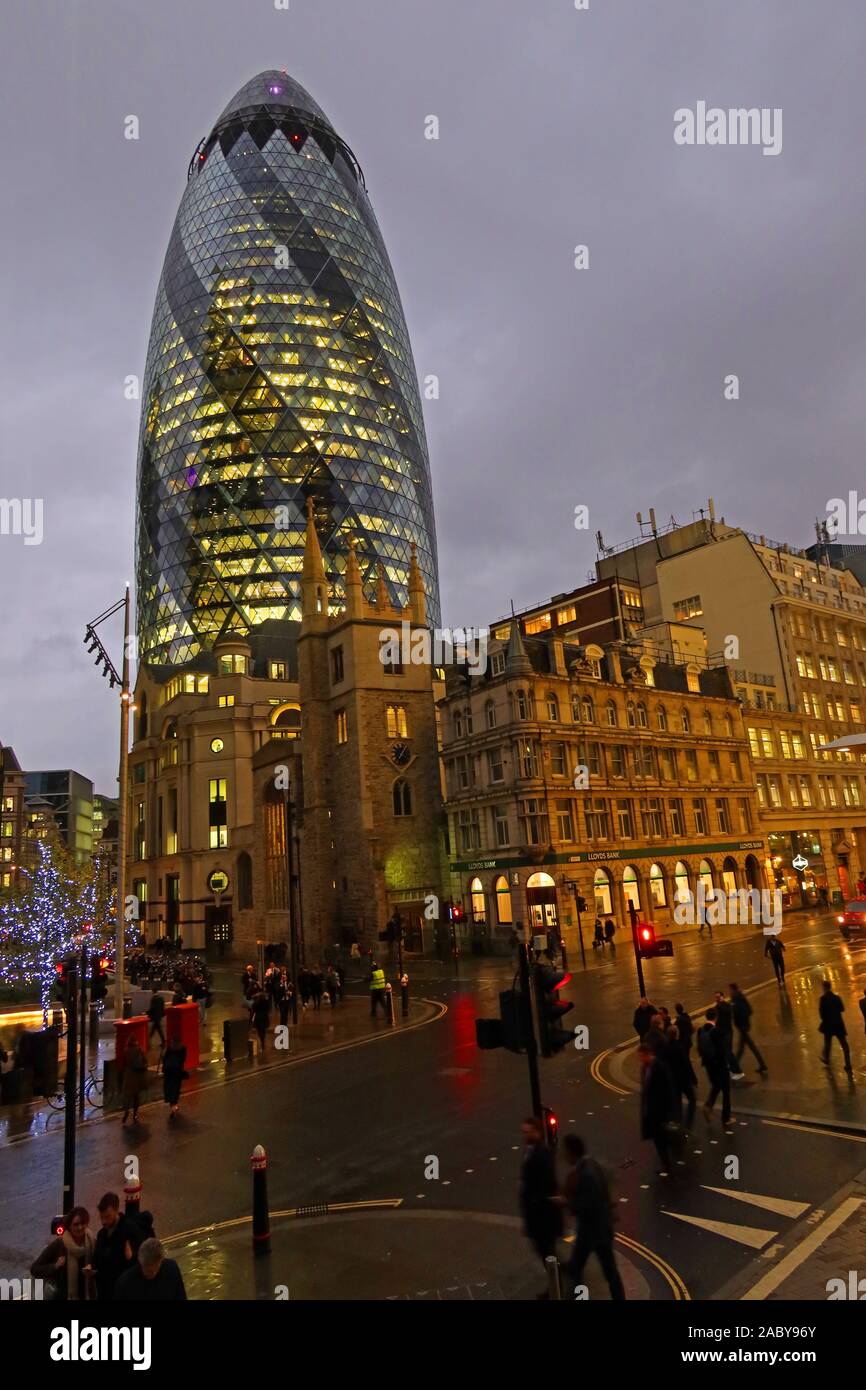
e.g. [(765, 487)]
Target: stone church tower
[(371, 825)]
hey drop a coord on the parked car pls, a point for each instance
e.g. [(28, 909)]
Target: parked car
[(852, 918)]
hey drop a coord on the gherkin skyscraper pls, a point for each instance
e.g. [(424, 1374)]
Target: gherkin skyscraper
[(279, 368)]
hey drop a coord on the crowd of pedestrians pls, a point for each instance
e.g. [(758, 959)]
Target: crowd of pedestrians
[(124, 1261), (271, 997)]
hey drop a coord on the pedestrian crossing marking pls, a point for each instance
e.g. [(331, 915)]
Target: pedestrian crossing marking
[(746, 1235), (780, 1205)]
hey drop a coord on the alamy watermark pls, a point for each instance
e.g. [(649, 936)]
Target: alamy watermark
[(22, 516), (443, 646), (714, 125), (742, 906)]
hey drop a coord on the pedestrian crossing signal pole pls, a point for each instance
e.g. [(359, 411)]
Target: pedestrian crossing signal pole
[(636, 943), (528, 1030)]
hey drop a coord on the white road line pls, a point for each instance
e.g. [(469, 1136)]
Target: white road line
[(745, 1235), (801, 1252), (779, 1205)]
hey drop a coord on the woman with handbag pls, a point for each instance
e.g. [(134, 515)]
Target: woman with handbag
[(174, 1073), (66, 1263)]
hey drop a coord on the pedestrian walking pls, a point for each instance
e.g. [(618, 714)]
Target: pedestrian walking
[(152, 1278), (174, 1074), (861, 886), (317, 988), (824, 896), (643, 1016), (863, 1008), (332, 980), (134, 1082), (66, 1263), (259, 1015), (676, 1054), (284, 997), (200, 994), (831, 1009), (609, 932), (685, 1027), (659, 1103), (587, 1194), (725, 1026), (712, 1050), (539, 1207), (775, 949), (249, 983), (378, 993), (304, 986), (116, 1245), (598, 935), (156, 1015), (741, 1012)]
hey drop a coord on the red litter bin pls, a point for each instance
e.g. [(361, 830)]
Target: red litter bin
[(183, 1023), (127, 1030)]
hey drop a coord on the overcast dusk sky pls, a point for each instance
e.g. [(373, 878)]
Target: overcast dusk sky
[(558, 387)]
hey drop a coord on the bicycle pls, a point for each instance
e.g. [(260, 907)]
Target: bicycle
[(93, 1093)]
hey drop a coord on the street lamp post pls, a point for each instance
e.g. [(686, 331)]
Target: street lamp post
[(293, 925)]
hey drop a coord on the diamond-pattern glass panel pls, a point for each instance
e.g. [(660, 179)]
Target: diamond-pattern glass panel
[(278, 368)]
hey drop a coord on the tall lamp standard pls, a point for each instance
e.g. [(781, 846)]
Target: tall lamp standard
[(109, 670)]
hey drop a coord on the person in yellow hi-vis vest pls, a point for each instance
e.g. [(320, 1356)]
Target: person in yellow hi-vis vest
[(378, 993)]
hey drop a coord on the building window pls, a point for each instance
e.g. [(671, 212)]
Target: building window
[(402, 798), (669, 765), (715, 766), (641, 716), (685, 608), (217, 813), (564, 821), (341, 725), (587, 709), (618, 760), (652, 817), (597, 818), (503, 902), (624, 821), (458, 723), (630, 716), (685, 722), (521, 705), (233, 664), (644, 761), (736, 772), (490, 714), (602, 893), (722, 816), (494, 765), (139, 839), (662, 718), (336, 665), (277, 670), (552, 707), (532, 816), (395, 721), (657, 886), (612, 715), (275, 851), (225, 701), (476, 898), (557, 760), (699, 807), (500, 826), (497, 663), (630, 888), (691, 765), (745, 816)]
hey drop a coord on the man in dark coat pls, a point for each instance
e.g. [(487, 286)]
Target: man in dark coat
[(741, 1011), (831, 1009), (542, 1216), (116, 1245), (643, 1016), (588, 1196), (775, 949), (712, 1049), (676, 1055), (152, 1278), (685, 1028), (659, 1107), (725, 1027)]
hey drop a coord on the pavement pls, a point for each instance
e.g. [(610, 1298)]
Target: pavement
[(394, 1165)]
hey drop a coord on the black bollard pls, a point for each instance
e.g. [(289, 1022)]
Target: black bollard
[(261, 1217), (132, 1196)]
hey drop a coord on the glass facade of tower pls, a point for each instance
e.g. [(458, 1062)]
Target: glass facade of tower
[(279, 367)]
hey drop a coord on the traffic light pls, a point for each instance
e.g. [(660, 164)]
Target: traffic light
[(581, 904), (98, 979), (504, 1031), (456, 912), (649, 945), (551, 1127), (552, 1038)]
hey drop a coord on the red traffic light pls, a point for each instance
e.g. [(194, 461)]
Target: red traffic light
[(551, 1127), (646, 933)]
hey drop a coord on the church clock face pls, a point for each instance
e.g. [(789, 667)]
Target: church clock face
[(401, 753)]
